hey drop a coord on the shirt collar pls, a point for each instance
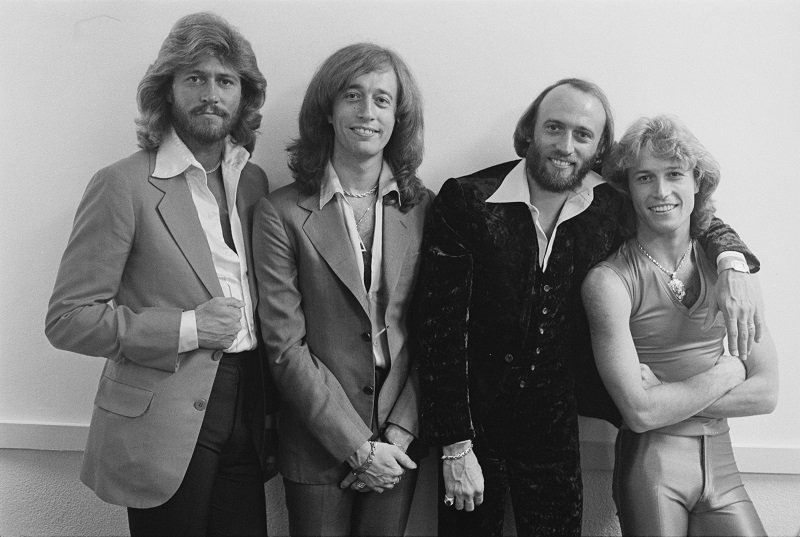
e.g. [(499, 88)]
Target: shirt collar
[(174, 158), (514, 187), (331, 185)]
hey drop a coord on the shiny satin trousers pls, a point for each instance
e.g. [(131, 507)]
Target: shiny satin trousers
[(680, 485)]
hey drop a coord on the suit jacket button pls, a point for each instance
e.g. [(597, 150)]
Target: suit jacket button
[(216, 356), (369, 390), (200, 404), (366, 336), (509, 358), (522, 384)]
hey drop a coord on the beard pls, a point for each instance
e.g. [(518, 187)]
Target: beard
[(194, 125), (554, 181)]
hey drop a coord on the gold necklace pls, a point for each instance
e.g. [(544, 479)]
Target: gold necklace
[(675, 285)]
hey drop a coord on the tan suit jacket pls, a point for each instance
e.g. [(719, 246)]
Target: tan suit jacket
[(137, 257), (316, 329)]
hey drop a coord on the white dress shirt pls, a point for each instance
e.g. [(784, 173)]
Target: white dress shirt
[(331, 189), (174, 158)]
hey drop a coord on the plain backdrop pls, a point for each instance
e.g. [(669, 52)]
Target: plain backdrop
[(729, 68)]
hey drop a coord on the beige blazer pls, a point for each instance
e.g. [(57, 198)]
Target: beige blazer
[(316, 329), (137, 257)]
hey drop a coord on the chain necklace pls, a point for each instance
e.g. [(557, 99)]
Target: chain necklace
[(369, 192), (675, 285)]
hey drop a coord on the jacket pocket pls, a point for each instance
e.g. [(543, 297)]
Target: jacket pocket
[(123, 399)]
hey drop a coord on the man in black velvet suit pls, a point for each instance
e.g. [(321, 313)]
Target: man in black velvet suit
[(505, 359)]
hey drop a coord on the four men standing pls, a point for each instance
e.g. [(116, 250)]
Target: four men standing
[(158, 277)]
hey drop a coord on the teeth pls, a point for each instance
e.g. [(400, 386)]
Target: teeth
[(561, 163), (364, 131), (662, 208)]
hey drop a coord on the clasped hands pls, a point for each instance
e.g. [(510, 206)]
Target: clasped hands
[(389, 463)]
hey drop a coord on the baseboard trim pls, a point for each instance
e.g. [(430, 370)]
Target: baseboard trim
[(597, 447)]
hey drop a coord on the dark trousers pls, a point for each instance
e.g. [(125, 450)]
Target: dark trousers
[(529, 447), (222, 492)]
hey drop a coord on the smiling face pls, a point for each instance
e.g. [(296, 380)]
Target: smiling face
[(566, 135), (363, 116), (205, 100), (662, 192)]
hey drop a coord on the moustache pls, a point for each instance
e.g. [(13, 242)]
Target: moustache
[(200, 110)]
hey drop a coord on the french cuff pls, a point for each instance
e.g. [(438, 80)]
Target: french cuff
[(188, 332), (732, 260)]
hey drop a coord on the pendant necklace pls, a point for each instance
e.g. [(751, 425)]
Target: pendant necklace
[(675, 285)]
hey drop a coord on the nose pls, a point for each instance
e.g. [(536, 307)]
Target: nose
[(662, 187), (210, 96), (366, 108), (565, 144)]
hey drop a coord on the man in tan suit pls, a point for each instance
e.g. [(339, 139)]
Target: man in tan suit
[(156, 279), (336, 258)]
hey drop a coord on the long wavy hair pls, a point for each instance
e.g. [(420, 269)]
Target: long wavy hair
[(310, 152), (523, 134), (666, 137), (192, 39)]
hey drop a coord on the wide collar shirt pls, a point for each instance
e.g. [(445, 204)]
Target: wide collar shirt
[(331, 191), (173, 159), (515, 189)]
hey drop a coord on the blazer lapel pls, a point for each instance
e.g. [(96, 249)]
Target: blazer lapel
[(395, 245), (180, 216), (325, 229)]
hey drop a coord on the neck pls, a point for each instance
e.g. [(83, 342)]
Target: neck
[(357, 176), (208, 155), (548, 203), (664, 247)]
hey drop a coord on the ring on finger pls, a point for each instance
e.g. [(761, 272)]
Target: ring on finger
[(449, 500), (358, 485)]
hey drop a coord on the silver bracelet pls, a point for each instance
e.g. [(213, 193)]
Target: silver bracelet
[(458, 455), (367, 463)]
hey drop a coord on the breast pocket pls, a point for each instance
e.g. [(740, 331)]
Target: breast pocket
[(123, 399)]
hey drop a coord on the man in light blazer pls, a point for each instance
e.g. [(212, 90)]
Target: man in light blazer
[(336, 256), (156, 279)]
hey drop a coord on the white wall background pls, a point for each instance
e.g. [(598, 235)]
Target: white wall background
[(729, 68)]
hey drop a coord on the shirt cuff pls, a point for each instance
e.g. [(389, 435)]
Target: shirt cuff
[(726, 260), (188, 336)]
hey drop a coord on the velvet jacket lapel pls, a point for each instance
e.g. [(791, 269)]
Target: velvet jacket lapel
[(325, 229)]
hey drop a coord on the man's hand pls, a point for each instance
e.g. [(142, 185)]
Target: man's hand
[(388, 466), (218, 322), (736, 298), (649, 379), (463, 480)]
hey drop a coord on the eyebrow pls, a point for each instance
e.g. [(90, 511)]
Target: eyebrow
[(355, 85)]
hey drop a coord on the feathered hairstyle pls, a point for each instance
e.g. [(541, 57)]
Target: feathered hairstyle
[(192, 39), (310, 152), (667, 138)]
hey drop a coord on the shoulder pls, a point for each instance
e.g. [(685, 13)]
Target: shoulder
[(123, 177), (253, 182), (286, 200), (137, 165), (474, 189)]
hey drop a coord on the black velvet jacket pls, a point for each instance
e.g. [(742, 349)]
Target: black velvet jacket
[(489, 321)]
